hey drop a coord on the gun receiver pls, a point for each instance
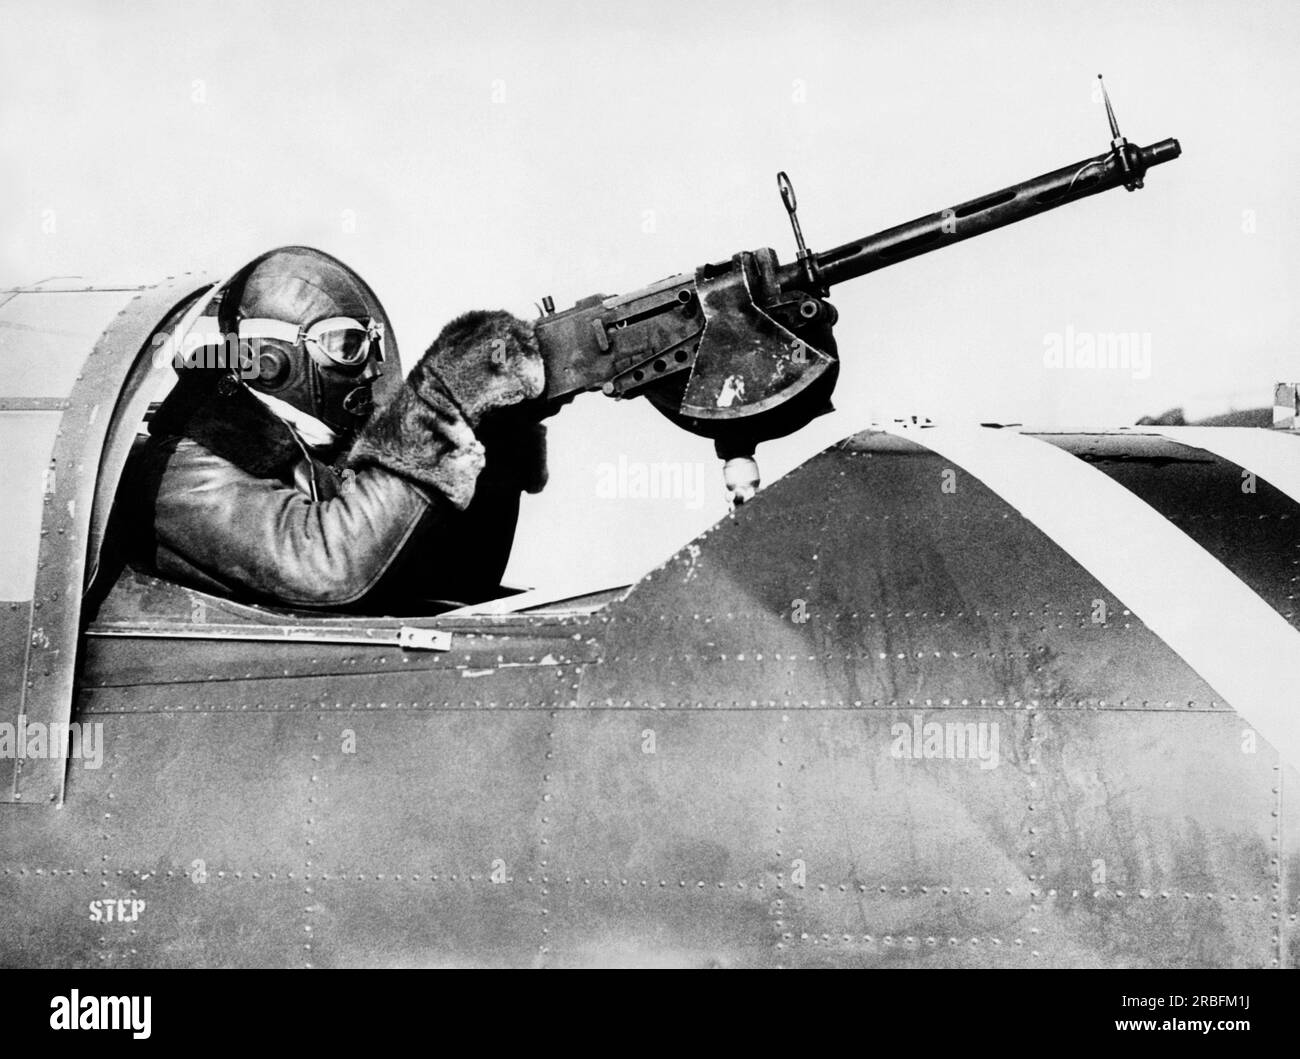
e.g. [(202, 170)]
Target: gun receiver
[(742, 351)]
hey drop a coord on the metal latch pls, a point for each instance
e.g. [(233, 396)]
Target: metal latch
[(411, 638)]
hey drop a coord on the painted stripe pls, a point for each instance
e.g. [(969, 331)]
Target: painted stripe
[(1231, 637), (1273, 455)]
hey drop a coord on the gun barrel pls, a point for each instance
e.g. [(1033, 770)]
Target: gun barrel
[(1038, 195)]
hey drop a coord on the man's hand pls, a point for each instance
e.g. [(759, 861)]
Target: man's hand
[(473, 398), (485, 361)]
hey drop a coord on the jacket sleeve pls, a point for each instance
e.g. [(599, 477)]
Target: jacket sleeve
[(260, 537)]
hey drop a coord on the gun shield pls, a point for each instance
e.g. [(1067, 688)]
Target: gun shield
[(747, 361)]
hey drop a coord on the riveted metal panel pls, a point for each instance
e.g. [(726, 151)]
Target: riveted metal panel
[(45, 919), (126, 660), (859, 581), (1286, 868), (1100, 838), (434, 791), (1154, 839), (76, 838), (519, 687), (232, 918), (423, 831), (891, 856), (597, 921), (203, 818), (229, 790), (423, 919), (505, 814), (857, 594), (661, 838)]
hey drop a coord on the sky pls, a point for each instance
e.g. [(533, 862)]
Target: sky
[(484, 155)]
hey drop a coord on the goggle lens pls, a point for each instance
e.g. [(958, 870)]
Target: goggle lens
[(348, 347), (346, 342)]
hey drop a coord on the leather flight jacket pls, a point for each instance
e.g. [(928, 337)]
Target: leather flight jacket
[(241, 508)]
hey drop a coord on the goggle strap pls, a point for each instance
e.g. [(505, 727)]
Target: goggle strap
[(345, 323)]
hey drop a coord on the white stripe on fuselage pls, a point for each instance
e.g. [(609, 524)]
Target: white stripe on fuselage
[(1273, 455), (1231, 637)]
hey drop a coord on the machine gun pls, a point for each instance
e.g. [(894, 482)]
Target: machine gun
[(742, 351)]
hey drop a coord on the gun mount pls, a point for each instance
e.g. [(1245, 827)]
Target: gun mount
[(742, 351)]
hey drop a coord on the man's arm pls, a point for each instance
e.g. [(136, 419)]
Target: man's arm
[(412, 483), (259, 537)]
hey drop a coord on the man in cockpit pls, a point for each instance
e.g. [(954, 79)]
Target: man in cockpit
[(274, 479)]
